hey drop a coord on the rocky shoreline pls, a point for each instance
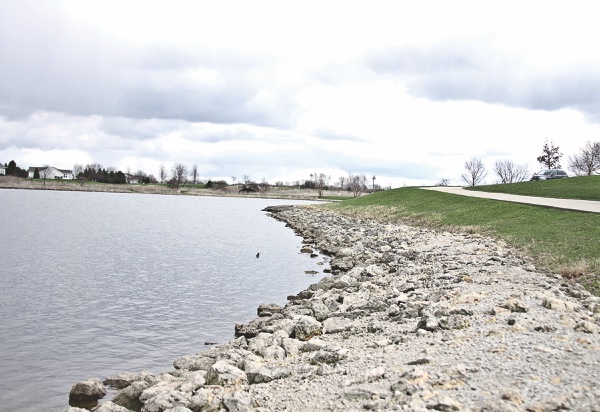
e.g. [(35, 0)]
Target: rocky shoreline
[(411, 319)]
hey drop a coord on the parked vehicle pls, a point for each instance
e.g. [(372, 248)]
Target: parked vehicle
[(546, 174)]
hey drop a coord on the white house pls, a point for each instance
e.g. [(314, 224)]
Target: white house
[(132, 178), (50, 172), (2, 170)]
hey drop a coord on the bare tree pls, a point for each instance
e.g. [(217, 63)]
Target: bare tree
[(78, 172), (510, 172), (550, 157), (587, 161), (342, 183), (475, 172), (77, 169), (357, 183), (141, 176), (179, 172), (45, 173), (233, 179), (246, 179), (162, 173), (443, 182), (264, 186), (194, 173), (321, 181)]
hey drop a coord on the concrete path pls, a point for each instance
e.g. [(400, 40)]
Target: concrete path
[(571, 204)]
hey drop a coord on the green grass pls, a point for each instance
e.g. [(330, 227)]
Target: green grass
[(333, 198), (581, 187), (559, 241)]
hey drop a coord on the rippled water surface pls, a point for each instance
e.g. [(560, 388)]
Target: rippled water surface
[(94, 284)]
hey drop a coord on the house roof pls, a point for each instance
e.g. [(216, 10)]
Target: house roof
[(40, 168)]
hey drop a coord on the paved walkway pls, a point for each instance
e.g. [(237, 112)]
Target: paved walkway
[(572, 204)]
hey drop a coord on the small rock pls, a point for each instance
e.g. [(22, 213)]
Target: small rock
[(375, 374), (558, 305), (515, 305), (422, 361), (454, 322), (586, 327), (428, 323), (445, 404), (329, 356)]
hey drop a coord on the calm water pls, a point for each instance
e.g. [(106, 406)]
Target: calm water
[(94, 284)]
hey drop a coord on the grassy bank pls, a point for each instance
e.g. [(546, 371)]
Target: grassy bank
[(581, 187), (561, 241)]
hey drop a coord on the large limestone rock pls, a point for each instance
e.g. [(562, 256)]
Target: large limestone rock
[(87, 391), (201, 361), (222, 373), (129, 396), (267, 310), (264, 374), (109, 406), (307, 327), (207, 399), (237, 402), (337, 325), (124, 379)]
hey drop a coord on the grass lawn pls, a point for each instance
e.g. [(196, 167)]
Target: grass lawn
[(559, 241), (580, 187), (333, 198)]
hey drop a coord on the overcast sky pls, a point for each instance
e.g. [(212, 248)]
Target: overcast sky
[(403, 90)]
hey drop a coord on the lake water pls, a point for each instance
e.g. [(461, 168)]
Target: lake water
[(94, 284)]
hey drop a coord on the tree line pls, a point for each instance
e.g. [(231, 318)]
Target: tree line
[(586, 162), (13, 170), (97, 173)]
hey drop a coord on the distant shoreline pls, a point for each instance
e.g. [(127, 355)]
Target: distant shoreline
[(9, 182)]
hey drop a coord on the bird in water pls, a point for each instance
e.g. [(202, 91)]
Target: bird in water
[(258, 255)]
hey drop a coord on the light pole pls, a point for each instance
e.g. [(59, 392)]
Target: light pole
[(373, 183)]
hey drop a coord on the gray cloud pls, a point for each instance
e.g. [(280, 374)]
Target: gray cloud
[(326, 134), (139, 129), (449, 56), (49, 64), (472, 70)]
